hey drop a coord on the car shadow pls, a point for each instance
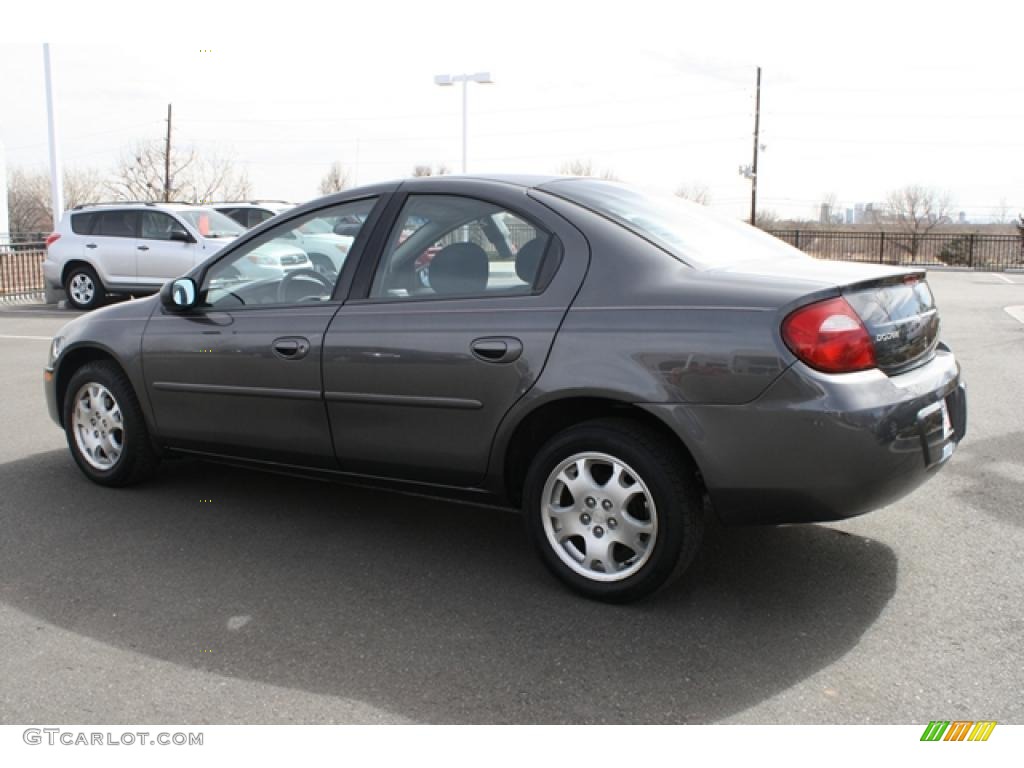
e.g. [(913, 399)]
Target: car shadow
[(990, 470), (435, 611)]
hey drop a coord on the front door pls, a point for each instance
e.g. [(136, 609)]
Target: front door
[(239, 374), (453, 329), (161, 258)]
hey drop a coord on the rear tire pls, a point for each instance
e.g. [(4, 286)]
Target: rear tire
[(83, 288), (105, 428), (614, 509)]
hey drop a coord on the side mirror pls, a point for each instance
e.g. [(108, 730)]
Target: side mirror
[(181, 236), (345, 228), (179, 295)]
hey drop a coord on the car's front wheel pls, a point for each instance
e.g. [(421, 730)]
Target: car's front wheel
[(83, 288), (613, 508), (105, 428)]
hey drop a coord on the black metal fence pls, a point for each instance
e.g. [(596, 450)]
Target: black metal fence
[(991, 253), (21, 269)]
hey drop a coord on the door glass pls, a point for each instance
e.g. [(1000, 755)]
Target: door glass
[(159, 226), (447, 246), (297, 261), (117, 224)]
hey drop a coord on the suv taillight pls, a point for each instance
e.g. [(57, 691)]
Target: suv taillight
[(52, 238), (829, 336)]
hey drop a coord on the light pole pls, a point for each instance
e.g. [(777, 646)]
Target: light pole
[(484, 78)]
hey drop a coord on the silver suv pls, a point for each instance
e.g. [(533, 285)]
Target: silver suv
[(131, 248), (249, 213)]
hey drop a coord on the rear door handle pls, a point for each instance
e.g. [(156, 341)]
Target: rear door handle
[(90, 245), (143, 247), (497, 349), (291, 347)]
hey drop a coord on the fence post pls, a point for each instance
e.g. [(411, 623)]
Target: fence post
[(881, 247), (796, 243), (970, 250)]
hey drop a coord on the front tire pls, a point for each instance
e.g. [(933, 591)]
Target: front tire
[(83, 288), (105, 428), (613, 508)]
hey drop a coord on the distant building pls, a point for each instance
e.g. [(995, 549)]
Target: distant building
[(962, 218), (858, 213), (849, 216), (825, 214)]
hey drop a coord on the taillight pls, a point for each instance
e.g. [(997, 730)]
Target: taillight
[(52, 238), (829, 336)]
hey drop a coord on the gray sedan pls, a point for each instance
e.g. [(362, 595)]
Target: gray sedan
[(607, 360)]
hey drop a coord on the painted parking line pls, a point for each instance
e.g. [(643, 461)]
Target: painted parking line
[(1016, 312), (1004, 278), (30, 338)]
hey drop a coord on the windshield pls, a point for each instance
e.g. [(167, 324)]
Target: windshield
[(211, 223), (688, 231)]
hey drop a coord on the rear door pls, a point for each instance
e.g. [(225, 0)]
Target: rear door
[(113, 245), (444, 334)]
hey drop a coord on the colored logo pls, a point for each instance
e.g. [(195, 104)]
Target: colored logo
[(958, 730)]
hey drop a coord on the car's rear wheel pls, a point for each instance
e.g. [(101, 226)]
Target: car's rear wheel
[(83, 288), (105, 428), (613, 508)]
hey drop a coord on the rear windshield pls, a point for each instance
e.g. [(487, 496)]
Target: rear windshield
[(688, 231)]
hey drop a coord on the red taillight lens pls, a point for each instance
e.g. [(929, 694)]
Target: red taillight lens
[(52, 238), (829, 336)]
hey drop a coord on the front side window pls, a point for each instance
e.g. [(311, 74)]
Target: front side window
[(444, 246), (159, 226), (287, 265)]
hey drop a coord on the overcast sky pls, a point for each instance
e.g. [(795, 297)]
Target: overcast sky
[(858, 98)]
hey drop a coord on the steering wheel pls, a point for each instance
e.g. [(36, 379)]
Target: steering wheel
[(282, 287)]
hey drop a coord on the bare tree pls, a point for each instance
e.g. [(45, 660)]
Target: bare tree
[(430, 170), (29, 199), (141, 175), (585, 167), (917, 210), (767, 218), (335, 180), (698, 193), (1001, 213), (577, 167)]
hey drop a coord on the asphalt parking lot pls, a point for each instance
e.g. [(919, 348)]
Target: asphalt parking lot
[(292, 601)]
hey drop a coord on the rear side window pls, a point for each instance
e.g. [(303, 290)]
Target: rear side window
[(448, 247), (81, 223), (117, 224)]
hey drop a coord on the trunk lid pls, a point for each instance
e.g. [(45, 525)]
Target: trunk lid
[(895, 304), (900, 315)]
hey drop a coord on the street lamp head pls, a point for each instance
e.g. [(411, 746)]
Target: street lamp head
[(482, 77), (443, 80)]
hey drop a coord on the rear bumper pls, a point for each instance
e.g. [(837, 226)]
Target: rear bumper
[(817, 447), (51, 273)]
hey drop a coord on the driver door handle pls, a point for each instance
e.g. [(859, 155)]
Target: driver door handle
[(291, 347)]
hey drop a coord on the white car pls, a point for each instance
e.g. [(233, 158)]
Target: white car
[(134, 248), (249, 213)]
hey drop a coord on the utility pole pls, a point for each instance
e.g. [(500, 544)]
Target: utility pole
[(167, 159), (753, 169)]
